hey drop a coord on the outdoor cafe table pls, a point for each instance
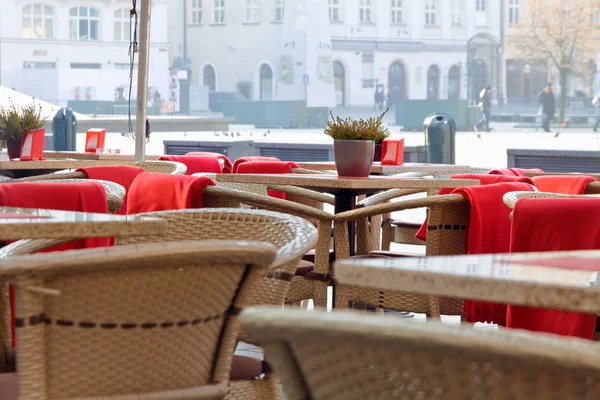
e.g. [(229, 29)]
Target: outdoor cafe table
[(379, 169), (93, 156), (21, 169), (560, 280), (28, 223), (345, 190)]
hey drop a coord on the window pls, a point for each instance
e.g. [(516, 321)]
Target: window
[(266, 83), (38, 22), (514, 11), (38, 65), (431, 12), (279, 10), (480, 5), (209, 78), (457, 12), (84, 23), (86, 66), (219, 12), (126, 66), (334, 10), (396, 9), (196, 12), (252, 11), (122, 25), (364, 10)]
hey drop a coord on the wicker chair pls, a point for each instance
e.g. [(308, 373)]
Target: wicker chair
[(399, 231), (350, 356), (292, 236), (141, 321), (163, 167), (303, 203)]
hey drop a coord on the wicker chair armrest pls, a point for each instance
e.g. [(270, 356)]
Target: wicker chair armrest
[(402, 205), (30, 246), (386, 196), (306, 193), (511, 198), (269, 203)]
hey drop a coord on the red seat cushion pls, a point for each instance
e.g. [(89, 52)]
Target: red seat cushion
[(159, 192), (267, 167), (563, 184), (246, 368), (227, 166), (9, 386), (514, 171), (119, 174), (554, 225), (197, 164), (242, 160)]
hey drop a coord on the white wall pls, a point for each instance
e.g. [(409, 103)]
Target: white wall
[(236, 49), (63, 52)]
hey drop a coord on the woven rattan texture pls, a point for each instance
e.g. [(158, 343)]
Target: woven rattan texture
[(152, 325), (346, 356)]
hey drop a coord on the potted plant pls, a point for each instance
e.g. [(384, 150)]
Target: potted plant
[(354, 143), (16, 123)]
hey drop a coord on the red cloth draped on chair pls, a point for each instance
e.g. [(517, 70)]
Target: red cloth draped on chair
[(242, 160), (160, 192), (197, 164), (488, 232), (515, 171), (267, 167), (120, 174), (84, 197), (227, 166), (564, 184), (483, 180), (554, 225)]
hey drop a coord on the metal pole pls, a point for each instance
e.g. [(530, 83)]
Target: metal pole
[(142, 84)]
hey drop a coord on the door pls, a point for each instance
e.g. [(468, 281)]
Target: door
[(339, 75), (433, 83)]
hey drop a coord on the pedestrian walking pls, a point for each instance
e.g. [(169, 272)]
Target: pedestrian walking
[(596, 103), (548, 105), (485, 102)]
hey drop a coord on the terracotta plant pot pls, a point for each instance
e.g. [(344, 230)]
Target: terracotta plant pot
[(353, 158), (13, 147)]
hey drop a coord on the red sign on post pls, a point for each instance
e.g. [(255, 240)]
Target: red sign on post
[(392, 151), (94, 139), (32, 145)]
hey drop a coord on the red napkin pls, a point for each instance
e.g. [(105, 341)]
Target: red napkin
[(554, 225), (515, 171), (563, 184), (119, 174), (242, 160), (488, 232), (160, 192), (267, 167), (197, 164), (483, 180), (84, 197), (227, 166)]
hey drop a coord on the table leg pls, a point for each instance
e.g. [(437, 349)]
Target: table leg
[(345, 202)]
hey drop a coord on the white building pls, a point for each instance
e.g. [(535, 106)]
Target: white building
[(61, 50), (417, 48)]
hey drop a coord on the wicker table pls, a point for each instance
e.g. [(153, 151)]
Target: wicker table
[(377, 168), (21, 169), (26, 223), (545, 280), (345, 190)]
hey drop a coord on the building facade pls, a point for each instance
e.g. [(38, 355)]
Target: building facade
[(61, 50), (526, 78), (412, 49)]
